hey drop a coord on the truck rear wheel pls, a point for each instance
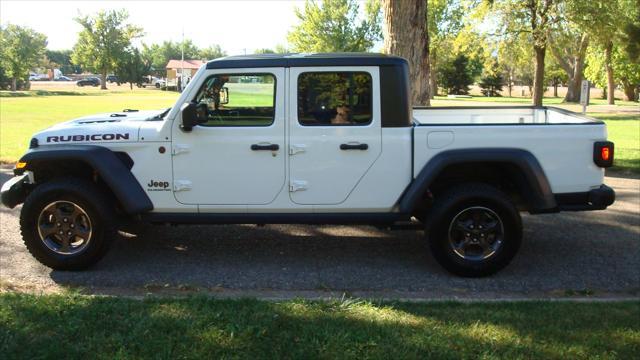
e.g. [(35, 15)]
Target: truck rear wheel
[(473, 230), (67, 224)]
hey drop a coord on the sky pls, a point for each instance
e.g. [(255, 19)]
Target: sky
[(237, 26)]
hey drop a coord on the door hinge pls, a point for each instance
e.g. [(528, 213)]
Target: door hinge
[(297, 148), (179, 149), (297, 185), (181, 185)]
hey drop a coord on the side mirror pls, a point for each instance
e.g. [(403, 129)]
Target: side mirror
[(192, 115), (224, 95)]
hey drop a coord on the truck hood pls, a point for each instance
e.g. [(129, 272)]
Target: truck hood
[(99, 128)]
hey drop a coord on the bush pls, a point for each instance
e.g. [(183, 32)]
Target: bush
[(456, 77)]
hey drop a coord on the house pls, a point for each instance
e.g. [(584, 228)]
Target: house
[(174, 68)]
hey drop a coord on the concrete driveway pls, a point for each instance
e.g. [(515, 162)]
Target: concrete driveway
[(584, 254)]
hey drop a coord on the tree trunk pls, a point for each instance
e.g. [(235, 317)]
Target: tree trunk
[(629, 91), (572, 62), (611, 89), (433, 82), (538, 80), (103, 80), (405, 34), (14, 84), (555, 90)]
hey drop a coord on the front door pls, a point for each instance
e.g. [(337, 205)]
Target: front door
[(237, 156), (335, 131)]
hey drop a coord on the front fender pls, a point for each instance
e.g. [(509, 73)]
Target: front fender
[(14, 191), (105, 162)]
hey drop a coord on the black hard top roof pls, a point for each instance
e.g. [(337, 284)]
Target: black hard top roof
[(317, 59)]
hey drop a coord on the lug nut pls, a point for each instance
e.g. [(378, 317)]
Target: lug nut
[(65, 220), (72, 226), (60, 232), (58, 224), (68, 232)]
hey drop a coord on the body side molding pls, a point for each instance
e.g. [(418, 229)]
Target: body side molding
[(540, 197), (108, 165)]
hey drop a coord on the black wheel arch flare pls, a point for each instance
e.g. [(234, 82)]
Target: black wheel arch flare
[(539, 195), (109, 165)]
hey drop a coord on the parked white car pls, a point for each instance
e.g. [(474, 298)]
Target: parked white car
[(312, 139)]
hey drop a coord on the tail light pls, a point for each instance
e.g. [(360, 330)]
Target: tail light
[(603, 153)]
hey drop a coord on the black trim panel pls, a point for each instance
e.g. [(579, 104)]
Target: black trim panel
[(395, 96), (596, 199), (108, 165), (539, 196), (275, 218)]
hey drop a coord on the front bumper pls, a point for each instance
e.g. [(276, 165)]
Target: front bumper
[(596, 199), (15, 191)]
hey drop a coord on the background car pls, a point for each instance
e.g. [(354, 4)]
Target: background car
[(92, 81), (112, 79), (62, 78)]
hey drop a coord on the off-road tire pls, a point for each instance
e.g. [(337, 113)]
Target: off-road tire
[(93, 201), (455, 201)]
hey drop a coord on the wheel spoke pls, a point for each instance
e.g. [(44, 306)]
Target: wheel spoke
[(64, 245), (46, 230)]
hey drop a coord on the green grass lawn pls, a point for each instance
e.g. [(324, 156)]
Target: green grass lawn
[(624, 131), (23, 114), (77, 326)]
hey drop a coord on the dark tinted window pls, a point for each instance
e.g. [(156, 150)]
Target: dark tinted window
[(334, 98), (239, 99)]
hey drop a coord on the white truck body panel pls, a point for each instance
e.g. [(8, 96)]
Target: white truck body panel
[(562, 143)]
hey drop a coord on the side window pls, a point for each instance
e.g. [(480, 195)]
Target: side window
[(238, 99), (334, 98)]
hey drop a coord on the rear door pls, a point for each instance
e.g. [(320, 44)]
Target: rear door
[(335, 131)]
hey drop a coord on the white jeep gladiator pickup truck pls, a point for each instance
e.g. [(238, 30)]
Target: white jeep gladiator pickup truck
[(310, 139)]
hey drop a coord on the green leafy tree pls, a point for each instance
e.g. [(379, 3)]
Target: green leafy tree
[(555, 76), (456, 77), (492, 82), (103, 41), (604, 21), (132, 68), (212, 52), (568, 44), (264, 51), (628, 72), (446, 19), (532, 17), (21, 49), (332, 26), (514, 55), (160, 54), (62, 60)]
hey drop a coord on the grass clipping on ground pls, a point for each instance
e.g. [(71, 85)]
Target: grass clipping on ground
[(79, 326)]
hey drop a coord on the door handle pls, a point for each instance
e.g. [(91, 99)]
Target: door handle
[(269, 147), (354, 146)]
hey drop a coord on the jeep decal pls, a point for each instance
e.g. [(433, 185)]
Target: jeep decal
[(158, 186), (93, 137)]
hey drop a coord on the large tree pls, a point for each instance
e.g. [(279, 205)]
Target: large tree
[(21, 49), (406, 35), (103, 41), (446, 19), (132, 68), (604, 20), (569, 48), (332, 26), (535, 18), (160, 54)]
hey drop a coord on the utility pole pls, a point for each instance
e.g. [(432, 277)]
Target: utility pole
[(182, 63)]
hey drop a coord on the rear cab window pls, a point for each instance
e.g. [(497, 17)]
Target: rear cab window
[(342, 98)]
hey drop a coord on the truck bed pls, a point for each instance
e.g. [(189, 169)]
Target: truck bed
[(561, 141), (487, 115)]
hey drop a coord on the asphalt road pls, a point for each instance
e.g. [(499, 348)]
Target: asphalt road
[(595, 254)]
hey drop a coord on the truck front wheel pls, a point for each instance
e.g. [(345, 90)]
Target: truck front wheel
[(67, 224), (473, 230)]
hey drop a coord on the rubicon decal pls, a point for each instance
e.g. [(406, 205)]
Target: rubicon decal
[(91, 137), (154, 185)]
